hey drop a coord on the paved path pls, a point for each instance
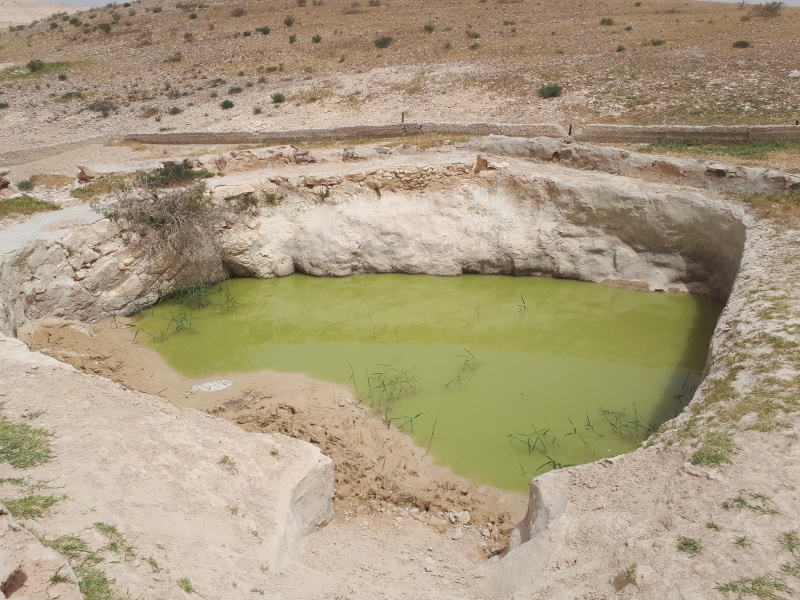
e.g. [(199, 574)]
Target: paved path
[(45, 226)]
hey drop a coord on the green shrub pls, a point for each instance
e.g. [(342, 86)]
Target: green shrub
[(429, 28), (26, 185), (35, 65), (175, 110), (226, 104), (292, 39), (247, 33), (103, 106), (257, 110), (551, 90), (263, 30), (277, 98), (170, 176), (62, 76), (620, 48), (54, 25), (606, 21), (4, 105), (657, 42), (173, 58), (473, 35), (288, 21), (234, 90), (105, 27), (238, 12), (741, 44), (383, 42), (475, 46), (75, 21), (193, 16), (637, 4), (316, 39), (767, 10)]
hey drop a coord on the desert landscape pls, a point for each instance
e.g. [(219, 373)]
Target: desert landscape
[(648, 145)]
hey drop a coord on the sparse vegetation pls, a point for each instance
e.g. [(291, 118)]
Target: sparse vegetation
[(21, 445), (383, 41), (717, 449), (226, 104), (689, 546), (33, 506), (764, 587), (316, 39), (606, 21), (741, 44), (631, 573), (277, 98), (186, 585)]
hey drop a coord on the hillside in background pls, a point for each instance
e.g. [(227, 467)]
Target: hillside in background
[(168, 66)]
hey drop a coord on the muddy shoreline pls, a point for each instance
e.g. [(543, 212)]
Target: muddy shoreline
[(375, 467)]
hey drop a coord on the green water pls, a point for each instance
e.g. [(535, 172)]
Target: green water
[(503, 377)]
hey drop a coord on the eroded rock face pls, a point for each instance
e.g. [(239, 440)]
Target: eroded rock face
[(509, 220), (512, 217)]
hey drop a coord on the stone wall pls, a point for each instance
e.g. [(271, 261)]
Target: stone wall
[(633, 134)]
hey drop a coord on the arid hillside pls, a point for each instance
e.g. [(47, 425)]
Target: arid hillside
[(160, 65)]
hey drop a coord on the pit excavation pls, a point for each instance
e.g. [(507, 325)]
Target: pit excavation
[(482, 370)]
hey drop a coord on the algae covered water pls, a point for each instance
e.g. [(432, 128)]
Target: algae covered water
[(500, 377)]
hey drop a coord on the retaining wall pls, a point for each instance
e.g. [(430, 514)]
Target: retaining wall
[(596, 133)]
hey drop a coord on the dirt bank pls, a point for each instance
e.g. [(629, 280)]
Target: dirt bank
[(375, 467)]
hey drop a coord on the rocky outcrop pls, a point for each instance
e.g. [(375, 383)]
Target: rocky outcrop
[(517, 219), (647, 167)]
